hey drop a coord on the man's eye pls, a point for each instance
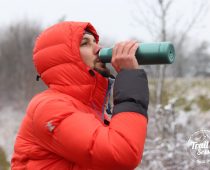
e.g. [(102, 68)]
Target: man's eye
[(84, 43)]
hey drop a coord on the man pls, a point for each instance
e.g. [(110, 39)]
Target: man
[(65, 127)]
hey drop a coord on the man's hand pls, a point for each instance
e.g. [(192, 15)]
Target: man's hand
[(123, 55)]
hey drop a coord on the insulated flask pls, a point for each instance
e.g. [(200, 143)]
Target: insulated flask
[(146, 54)]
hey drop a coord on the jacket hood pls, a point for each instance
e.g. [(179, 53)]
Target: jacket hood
[(57, 59)]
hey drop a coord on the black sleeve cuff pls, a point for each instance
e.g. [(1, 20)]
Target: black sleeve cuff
[(131, 92)]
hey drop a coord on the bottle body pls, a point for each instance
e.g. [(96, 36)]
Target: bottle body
[(147, 53)]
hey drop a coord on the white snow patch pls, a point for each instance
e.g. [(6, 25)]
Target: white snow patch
[(10, 120)]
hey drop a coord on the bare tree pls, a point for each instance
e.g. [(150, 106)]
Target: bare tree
[(199, 64), (164, 146), (17, 71), (156, 17)]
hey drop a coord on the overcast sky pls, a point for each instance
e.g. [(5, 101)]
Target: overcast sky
[(112, 18)]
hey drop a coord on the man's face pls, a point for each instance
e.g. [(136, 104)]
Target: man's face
[(89, 52)]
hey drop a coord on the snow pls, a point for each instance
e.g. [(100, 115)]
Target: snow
[(9, 123)]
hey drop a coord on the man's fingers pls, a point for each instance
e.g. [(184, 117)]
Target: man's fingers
[(133, 49), (123, 55), (129, 46)]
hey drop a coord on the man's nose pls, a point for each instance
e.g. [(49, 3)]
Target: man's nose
[(97, 48)]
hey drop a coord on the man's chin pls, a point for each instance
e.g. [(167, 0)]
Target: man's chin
[(105, 72)]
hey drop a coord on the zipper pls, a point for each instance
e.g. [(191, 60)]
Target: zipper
[(107, 98)]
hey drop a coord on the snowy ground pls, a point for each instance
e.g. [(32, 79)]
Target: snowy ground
[(10, 120), (9, 123)]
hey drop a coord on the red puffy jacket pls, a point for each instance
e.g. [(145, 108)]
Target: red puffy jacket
[(63, 127)]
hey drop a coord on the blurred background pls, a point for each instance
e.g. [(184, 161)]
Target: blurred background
[(179, 93)]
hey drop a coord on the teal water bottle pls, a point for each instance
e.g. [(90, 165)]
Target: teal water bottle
[(147, 53)]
